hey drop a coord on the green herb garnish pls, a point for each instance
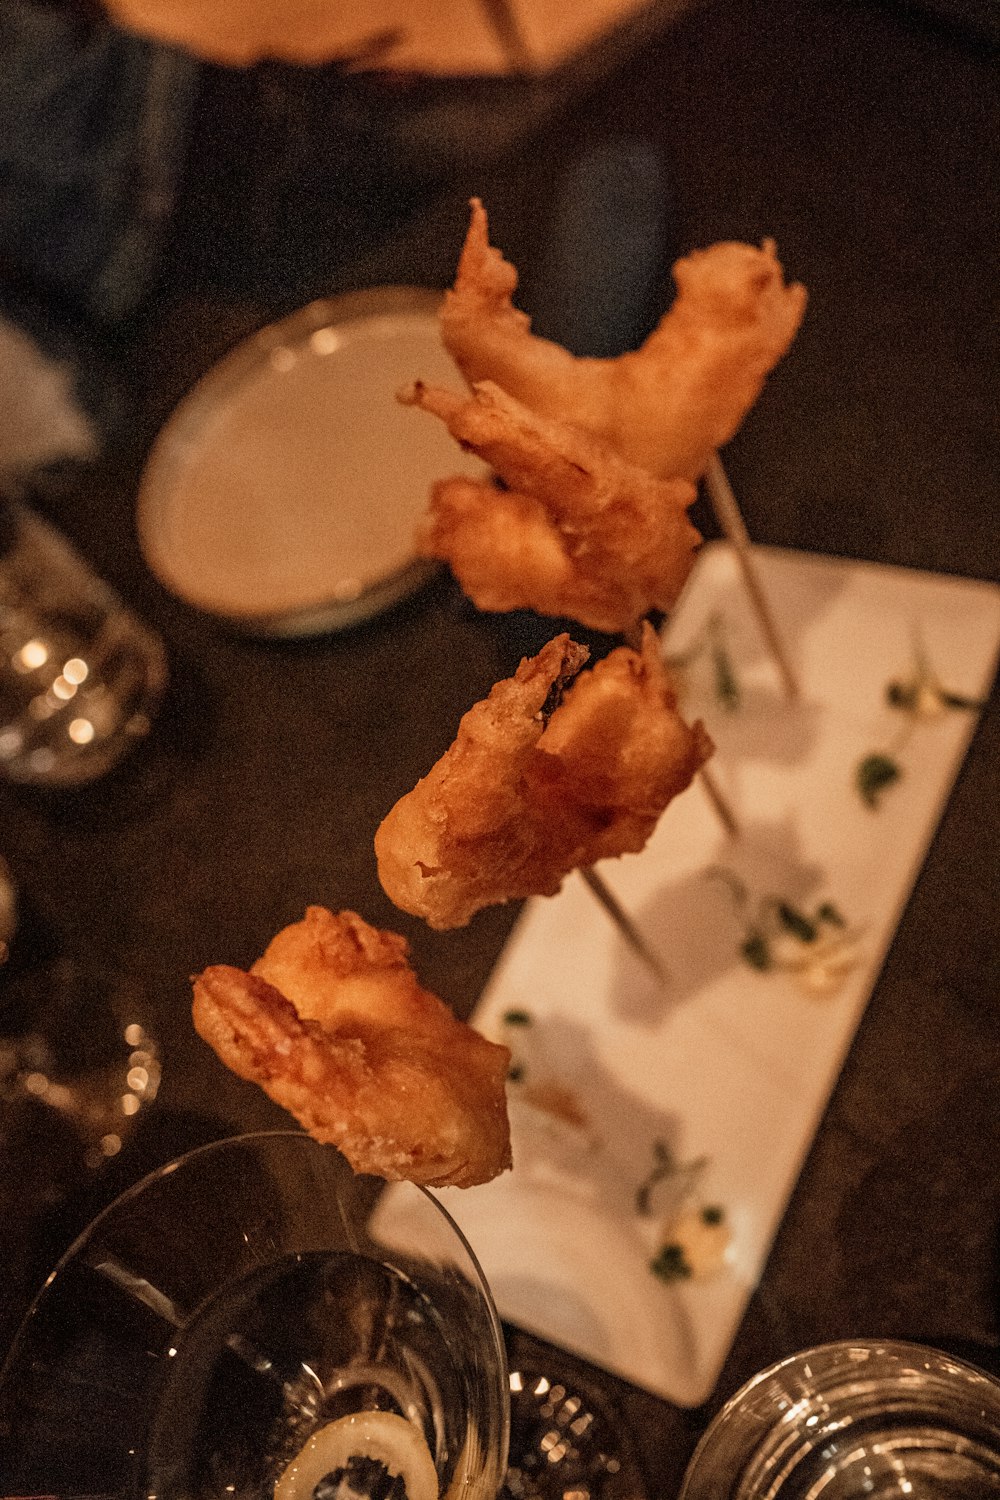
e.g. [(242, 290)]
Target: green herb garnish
[(958, 700), (902, 695), (663, 1166), (907, 695), (756, 951), (670, 1264), (874, 774), (517, 1018), (727, 688), (794, 922)]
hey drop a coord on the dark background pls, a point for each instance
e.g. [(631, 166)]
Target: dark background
[(864, 139)]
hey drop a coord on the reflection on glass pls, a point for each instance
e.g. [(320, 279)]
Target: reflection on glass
[(232, 1325), (80, 676), (78, 1065), (882, 1421)]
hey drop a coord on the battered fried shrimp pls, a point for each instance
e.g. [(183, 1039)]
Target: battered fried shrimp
[(578, 532), (541, 779), (332, 1023), (666, 406)]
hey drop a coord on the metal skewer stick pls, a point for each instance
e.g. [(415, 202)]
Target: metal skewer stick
[(624, 923), (730, 519)]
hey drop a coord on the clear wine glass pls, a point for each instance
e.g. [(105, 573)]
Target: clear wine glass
[(78, 1061), (79, 1070), (233, 1327), (79, 1067), (80, 681), (855, 1420), (81, 677)]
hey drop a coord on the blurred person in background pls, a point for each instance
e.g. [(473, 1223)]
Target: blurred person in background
[(98, 105)]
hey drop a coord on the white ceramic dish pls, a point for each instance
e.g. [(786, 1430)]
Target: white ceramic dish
[(728, 1063), (284, 492)]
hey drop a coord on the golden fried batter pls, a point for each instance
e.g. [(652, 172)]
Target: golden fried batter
[(666, 406), (333, 1025), (578, 532), (524, 794)]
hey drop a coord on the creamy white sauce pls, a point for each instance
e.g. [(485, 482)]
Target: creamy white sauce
[(303, 481)]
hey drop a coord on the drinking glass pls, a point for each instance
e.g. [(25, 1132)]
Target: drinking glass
[(232, 1327), (855, 1421), (80, 676), (79, 1068)]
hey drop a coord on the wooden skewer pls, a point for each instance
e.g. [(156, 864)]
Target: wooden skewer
[(719, 802), (725, 813), (624, 923), (730, 519), (502, 17), (606, 896)]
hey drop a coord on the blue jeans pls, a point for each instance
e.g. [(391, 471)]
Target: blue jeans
[(93, 124)]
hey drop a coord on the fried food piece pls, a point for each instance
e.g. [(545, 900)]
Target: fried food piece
[(461, 837), (578, 532), (540, 780), (332, 1023), (666, 406)]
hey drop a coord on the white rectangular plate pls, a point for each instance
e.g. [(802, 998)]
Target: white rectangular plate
[(727, 1063)]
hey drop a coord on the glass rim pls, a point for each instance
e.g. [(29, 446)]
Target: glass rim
[(904, 1348), (350, 312), (207, 1148), (833, 1353)]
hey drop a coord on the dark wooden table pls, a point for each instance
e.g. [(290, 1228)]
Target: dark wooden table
[(865, 140)]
